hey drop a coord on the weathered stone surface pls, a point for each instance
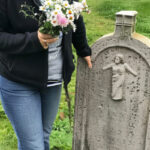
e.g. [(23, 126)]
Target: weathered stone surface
[(103, 122)]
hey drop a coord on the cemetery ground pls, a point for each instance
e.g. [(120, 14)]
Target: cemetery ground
[(98, 23)]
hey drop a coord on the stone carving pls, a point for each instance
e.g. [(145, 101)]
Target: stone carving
[(100, 122), (119, 69)]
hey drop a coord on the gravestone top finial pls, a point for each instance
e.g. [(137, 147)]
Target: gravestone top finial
[(127, 13), (125, 23)]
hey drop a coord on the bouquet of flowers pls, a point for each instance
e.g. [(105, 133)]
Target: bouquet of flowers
[(56, 16)]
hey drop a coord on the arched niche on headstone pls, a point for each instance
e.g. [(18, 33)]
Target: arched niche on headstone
[(112, 106)]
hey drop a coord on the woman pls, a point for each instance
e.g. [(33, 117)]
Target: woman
[(30, 81)]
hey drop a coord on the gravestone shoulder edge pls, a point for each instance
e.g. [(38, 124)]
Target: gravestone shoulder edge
[(141, 38)]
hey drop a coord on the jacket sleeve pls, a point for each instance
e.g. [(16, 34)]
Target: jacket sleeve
[(20, 43), (79, 39)]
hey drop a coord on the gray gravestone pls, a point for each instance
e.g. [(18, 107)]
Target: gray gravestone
[(112, 107)]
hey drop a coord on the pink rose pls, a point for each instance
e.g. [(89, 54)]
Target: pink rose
[(62, 20)]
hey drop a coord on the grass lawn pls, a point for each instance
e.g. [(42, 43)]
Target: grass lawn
[(108, 8), (101, 21)]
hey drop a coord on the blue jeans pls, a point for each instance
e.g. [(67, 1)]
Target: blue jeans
[(31, 112)]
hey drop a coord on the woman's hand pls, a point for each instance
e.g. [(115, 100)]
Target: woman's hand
[(88, 60), (46, 39)]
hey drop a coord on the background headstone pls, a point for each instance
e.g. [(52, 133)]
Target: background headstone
[(112, 106)]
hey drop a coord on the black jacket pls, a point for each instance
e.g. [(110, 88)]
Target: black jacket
[(22, 58)]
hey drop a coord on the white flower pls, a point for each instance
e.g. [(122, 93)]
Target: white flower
[(58, 7), (70, 17), (48, 3), (66, 4), (84, 3), (42, 8), (55, 12), (78, 6), (54, 22)]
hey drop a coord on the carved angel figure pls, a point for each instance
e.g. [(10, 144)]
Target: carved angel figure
[(119, 69)]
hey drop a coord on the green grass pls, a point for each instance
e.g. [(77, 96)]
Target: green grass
[(108, 8), (100, 22), (8, 139)]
